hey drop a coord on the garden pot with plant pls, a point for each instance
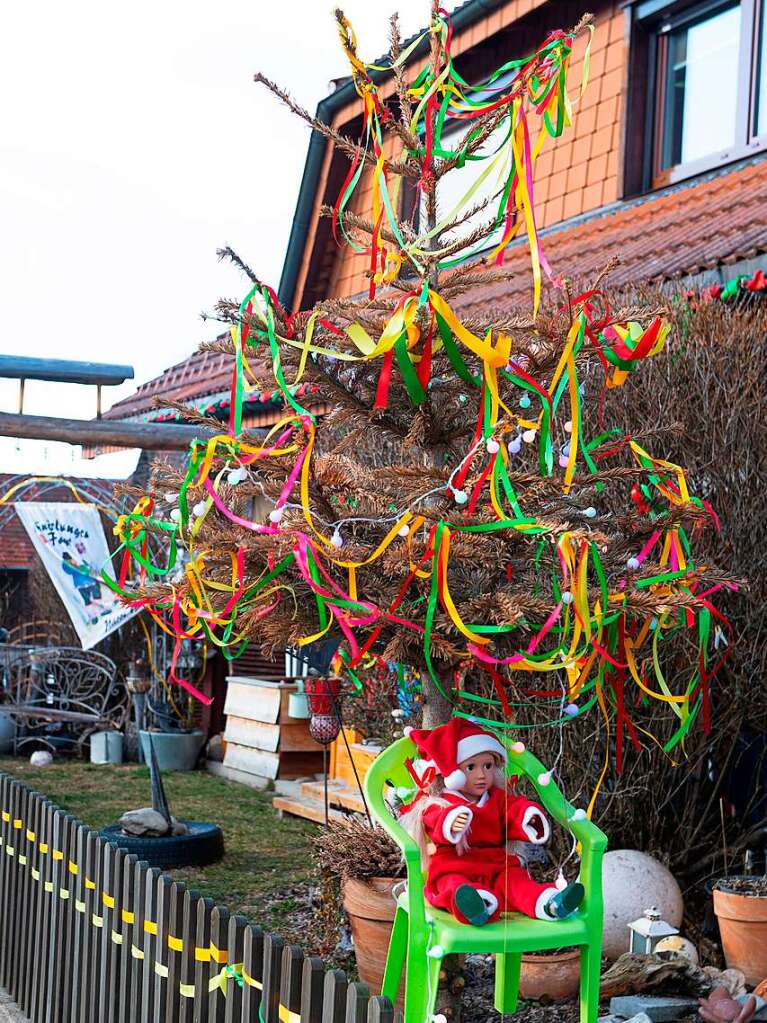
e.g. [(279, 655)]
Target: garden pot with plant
[(740, 904), (368, 865)]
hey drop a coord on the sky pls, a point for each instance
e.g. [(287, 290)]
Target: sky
[(133, 144)]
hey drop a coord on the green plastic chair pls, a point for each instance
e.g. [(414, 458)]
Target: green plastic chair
[(420, 928)]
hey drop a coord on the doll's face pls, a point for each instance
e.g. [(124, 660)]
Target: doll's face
[(480, 773)]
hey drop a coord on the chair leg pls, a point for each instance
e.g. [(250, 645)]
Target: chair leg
[(395, 960), (591, 963), (507, 967), (417, 983)]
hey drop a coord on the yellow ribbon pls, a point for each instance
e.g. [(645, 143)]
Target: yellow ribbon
[(176, 944)]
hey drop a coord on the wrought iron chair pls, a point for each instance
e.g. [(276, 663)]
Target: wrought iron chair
[(61, 695)]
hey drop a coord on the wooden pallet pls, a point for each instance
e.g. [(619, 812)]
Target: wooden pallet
[(309, 809)]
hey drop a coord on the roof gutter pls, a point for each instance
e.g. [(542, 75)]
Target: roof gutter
[(466, 15)]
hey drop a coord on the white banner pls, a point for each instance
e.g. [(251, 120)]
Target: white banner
[(70, 540)]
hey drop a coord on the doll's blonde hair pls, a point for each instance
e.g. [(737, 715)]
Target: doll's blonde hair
[(412, 819)]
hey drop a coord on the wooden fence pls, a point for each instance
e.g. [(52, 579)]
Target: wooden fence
[(89, 933)]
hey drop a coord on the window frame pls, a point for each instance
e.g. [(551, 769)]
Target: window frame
[(653, 23)]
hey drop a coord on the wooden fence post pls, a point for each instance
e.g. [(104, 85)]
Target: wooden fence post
[(188, 979), (236, 947), (140, 871), (59, 897), (290, 982), (357, 998), (204, 967), (334, 996), (5, 785), (162, 952), (116, 859), (26, 940), (380, 1010), (273, 945), (9, 979), (150, 944), (219, 958), (95, 918), (312, 983), (127, 991), (253, 973), (79, 841), (176, 949), (42, 987), (66, 932)]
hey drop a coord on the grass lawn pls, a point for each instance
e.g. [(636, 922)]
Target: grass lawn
[(267, 868)]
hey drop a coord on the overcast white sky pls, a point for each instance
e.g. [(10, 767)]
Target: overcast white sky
[(133, 143)]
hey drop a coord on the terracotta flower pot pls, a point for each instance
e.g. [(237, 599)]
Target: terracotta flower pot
[(371, 909), (555, 976), (743, 928)]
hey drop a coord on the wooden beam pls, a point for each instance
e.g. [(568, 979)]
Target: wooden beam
[(65, 371), (103, 432)]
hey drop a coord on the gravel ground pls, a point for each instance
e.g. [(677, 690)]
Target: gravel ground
[(9, 1011)]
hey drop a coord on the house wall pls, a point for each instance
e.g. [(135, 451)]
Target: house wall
[(575, 174)]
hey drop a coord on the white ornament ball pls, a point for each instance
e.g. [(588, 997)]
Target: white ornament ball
[(572, 710), (436, 952), (589, 513), (337, 540), (632, 564), (528, 436), (41, 758), (515, 446), (677, 947), (518, 747), (233, 477), (171, 498), (566, 450), (460, 496), (563, 462), (275, 515), (439, 1018), (397, 713), (493, 447), (199, 509), (632, 881), (545, 778), (578, 815), (568, 427), (175, 515), (567, 597), (404, 530)]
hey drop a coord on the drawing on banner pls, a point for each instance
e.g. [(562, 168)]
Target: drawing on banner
[(69, 539)]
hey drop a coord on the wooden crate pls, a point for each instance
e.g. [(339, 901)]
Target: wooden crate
[(261, 737)]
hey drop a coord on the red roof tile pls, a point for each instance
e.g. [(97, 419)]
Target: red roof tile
[(681, 231)]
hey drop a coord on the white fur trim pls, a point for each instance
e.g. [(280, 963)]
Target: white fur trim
[(455, 781), (543, 898), (483, 798), (449, 821), (530, 831), (473, 745), (489, 900)]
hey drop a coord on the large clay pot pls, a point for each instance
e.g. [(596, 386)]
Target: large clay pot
[(743, 928), (555, 976), (371, 907)]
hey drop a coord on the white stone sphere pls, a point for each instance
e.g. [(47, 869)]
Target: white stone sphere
[(632, 882)]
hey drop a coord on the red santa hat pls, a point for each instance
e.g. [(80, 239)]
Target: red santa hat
[(449, 745)]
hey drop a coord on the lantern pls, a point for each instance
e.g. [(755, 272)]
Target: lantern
[(647, 931)]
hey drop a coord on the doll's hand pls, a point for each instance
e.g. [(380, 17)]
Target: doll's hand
[(461, 822)]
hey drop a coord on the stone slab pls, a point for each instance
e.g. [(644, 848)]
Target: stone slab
[(660, 1009)]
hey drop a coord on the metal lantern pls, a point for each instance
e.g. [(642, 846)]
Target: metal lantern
[(648, 930)]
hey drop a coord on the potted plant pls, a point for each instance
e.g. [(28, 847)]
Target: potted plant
[(177, 743), (366, 884), (740, 904), (553, 975)]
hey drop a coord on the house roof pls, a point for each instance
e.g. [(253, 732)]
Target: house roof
[(677, 233), (201, 374)]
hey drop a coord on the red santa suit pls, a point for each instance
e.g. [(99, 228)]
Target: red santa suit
[(477, 855), (500, 878)]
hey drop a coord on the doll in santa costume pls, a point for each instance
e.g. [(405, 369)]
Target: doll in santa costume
[(464, 822)]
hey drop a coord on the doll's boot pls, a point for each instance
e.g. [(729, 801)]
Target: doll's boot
[(470, 904), (565, 902)]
